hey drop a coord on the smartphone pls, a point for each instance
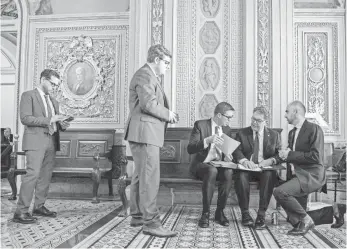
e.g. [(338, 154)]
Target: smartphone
[(69, 119)]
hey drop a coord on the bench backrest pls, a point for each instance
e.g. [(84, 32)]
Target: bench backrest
[(174, 158)]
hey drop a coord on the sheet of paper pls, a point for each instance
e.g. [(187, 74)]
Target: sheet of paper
[(229, 145), (224, 164)]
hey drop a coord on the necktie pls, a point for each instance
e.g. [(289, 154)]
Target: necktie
[(218, 131), (51, 126), (291, 142), (256, 148)]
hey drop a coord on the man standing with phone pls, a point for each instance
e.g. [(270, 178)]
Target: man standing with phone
[(146, 126)]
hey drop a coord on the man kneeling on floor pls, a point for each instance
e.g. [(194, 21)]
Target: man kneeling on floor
[(205, 135)]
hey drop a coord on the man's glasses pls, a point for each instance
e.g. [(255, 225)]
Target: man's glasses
[(228, 117), (259, 121)]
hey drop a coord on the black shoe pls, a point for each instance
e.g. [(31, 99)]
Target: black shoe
[(43, 211), (204, 220), (260, 222), (247, 219), (295, 229), (24, 218), (220, 218), (303, 228), (340, 220)]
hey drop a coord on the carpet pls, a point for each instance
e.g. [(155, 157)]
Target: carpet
[(184, 219)]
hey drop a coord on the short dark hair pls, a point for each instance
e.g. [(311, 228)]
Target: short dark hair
[(48, 74), (157, 51), (262, 110), (222, 108)]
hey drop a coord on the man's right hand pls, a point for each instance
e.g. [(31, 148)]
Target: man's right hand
[(217, 140), (57, 118), (249, 164), (173, 117)]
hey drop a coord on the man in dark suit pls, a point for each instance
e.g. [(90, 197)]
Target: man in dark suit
[(6, 146), (259, 147), (203, 143), (305, 154), (149, 115), (39, 113)]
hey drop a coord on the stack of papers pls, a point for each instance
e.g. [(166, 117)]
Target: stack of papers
[(231, 165)]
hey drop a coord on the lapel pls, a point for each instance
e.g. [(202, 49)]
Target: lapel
[(250, 137), (301, 132), (39, 99), (166, 103), (209, 131), (266, 139)]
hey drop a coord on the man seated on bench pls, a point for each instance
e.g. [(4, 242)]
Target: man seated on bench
[(202, 143), (6, 148), (259, 147)]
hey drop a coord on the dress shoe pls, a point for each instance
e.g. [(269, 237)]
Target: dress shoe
[(260, 222), (247, 219), (204, 221), (24, 218), (304, 227), (295, 229), (340, 219), (220, 218), (159, 232), (43, 211), (136, 222)]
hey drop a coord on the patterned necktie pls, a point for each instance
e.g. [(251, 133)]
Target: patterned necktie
[(51, 126), (291, 145), (217, 131), (256, 148)]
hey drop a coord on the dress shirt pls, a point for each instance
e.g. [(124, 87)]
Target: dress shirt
[(213, 149), (298, 128), (42, 94)]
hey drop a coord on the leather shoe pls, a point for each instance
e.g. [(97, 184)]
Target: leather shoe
[(295, 229), (204, 221), (260, 222), (159, 232), (340, 220), (247, 219), (220, 218), (24, 218), (43, 211), (136, 222), (303, 228)]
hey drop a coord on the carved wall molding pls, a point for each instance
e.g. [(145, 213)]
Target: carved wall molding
[(209, 74), (210, 8), (319, 4), (207, 105), (264, 84), (157, 22), (9, 9), (313, 41), (209, 37), (93, 70), (89, 148), (65, 149)]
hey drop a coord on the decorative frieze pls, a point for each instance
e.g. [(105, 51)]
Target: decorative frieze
[(157, 21), (210, 8), (89, 148), (209, 37), (209, 74)]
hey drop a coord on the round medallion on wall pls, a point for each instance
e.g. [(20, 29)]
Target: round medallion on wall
[(209, 37), (316, 74), (209, 74)]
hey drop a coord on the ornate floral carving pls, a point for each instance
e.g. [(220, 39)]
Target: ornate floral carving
[(207, 105), (209, 74), (167, 152), (210, 37), (88, 70), (316, 71), (64, 149), (45, 8), (9, 9), (210, 8), (88, 148), (264, 55), (157, 21)]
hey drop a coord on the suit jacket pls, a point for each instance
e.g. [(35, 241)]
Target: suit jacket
[(33, 117), (149, 109), (271, 144), (201, 130), (307, 157)]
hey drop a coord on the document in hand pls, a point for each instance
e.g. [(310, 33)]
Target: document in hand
[(274, 167), (224, 164), (229, 145)]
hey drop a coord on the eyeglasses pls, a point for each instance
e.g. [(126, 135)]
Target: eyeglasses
[(228, 117), (167, 63), (52, 83), (257, 120)]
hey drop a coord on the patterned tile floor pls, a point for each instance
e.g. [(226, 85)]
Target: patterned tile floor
[(81, 224)]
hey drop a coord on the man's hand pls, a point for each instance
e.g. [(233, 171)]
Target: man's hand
[(284, 154), (64, 124), (57, 118), (173, 117), (217, 140), (266, 163), (249, 164), (228, 158)]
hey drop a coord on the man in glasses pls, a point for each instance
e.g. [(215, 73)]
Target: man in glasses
[(39, 113), (259, 147), (203, 143), (149, 115)]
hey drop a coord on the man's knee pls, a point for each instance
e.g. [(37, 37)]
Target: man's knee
[(279, 193)]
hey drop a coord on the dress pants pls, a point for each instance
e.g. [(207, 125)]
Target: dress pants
[(267, 180), (145, 184), (39, 167), (209, 175)]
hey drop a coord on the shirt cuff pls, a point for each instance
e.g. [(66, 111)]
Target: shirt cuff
[(205, 143), (273, 161), (242, 160)]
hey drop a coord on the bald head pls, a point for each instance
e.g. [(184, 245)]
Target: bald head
[(299, 107), (295, 112)]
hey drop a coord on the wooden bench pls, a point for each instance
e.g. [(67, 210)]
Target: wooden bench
[(174, 165)]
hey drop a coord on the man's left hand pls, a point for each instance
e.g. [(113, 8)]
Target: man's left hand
[(228, 158), (64, 125), (284, 153), (265, 163)]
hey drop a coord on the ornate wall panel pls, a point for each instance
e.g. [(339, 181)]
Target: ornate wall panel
[(65, 149), (157, 21), (89, 148), (93, 64), (209, 70), (264, 85), (316, 70)]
